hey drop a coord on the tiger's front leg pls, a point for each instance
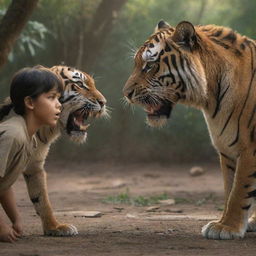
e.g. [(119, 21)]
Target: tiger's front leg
[(35, 178), (252, 220), (233, 223), (228, 167)]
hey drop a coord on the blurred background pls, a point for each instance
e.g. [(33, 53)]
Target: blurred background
[(100, 38)]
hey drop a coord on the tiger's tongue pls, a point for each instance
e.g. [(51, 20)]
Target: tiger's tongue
[(79, 122), (151, 110)]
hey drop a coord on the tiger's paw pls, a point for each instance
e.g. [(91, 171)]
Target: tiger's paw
[(251, 225), (62, 230), (218, 231)]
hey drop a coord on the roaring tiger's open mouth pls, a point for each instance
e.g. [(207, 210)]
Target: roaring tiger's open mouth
[(159, 111), (77, 121)]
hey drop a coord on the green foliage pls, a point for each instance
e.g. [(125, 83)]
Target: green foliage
[(65, 19), (126, 198), (244, 18), (31, 38)]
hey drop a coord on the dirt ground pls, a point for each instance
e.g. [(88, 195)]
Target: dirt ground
[(128, 229)]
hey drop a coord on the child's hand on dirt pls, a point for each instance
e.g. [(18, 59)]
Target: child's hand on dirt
[(8, 234), (17, 226)]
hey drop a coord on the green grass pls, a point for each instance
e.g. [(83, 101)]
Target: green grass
[(208, 198), (219, 207), (182, 200), (126, 198)]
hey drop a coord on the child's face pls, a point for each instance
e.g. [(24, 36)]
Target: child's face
[(47, 108)]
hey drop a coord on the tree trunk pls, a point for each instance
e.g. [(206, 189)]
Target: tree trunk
[(99, 30), (12, 24), (201, 11)]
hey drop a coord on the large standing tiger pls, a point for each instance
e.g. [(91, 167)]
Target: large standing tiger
[(211, 68), (80, 100)]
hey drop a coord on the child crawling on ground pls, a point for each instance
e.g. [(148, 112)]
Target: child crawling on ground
[(34, 95)]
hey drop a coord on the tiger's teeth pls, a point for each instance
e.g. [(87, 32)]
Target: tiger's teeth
[(84, 127), (76, 122)]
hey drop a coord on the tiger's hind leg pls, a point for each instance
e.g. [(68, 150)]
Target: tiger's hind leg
[(35, 178), (233, 223)]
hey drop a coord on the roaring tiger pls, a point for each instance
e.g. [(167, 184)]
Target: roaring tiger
[(213, 69), (80, 100)]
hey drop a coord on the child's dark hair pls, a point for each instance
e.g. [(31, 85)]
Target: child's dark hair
[(30, 82)]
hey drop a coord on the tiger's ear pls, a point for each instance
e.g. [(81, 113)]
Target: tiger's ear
[(185, 35), (161, 25)]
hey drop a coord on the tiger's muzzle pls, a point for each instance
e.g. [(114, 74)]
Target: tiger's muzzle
[(78, 121)]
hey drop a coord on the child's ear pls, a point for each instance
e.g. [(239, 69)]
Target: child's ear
[(29, 103)]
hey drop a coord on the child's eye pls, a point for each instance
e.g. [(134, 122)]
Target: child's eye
[(54, 96)]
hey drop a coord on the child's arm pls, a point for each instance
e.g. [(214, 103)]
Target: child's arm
[(7, 234), (7, 199)]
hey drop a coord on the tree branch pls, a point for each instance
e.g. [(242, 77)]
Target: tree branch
[(201, 11), (12, 24), (101, 26)]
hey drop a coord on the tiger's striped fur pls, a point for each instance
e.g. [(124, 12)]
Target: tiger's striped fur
[(211, 68), (80, 100)]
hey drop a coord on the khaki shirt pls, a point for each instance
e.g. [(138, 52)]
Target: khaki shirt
[(16, 148)]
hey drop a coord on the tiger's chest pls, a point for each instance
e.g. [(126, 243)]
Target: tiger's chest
[(223, 137)]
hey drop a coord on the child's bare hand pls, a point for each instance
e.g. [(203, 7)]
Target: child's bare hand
[(7, 234), (17, 226)]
